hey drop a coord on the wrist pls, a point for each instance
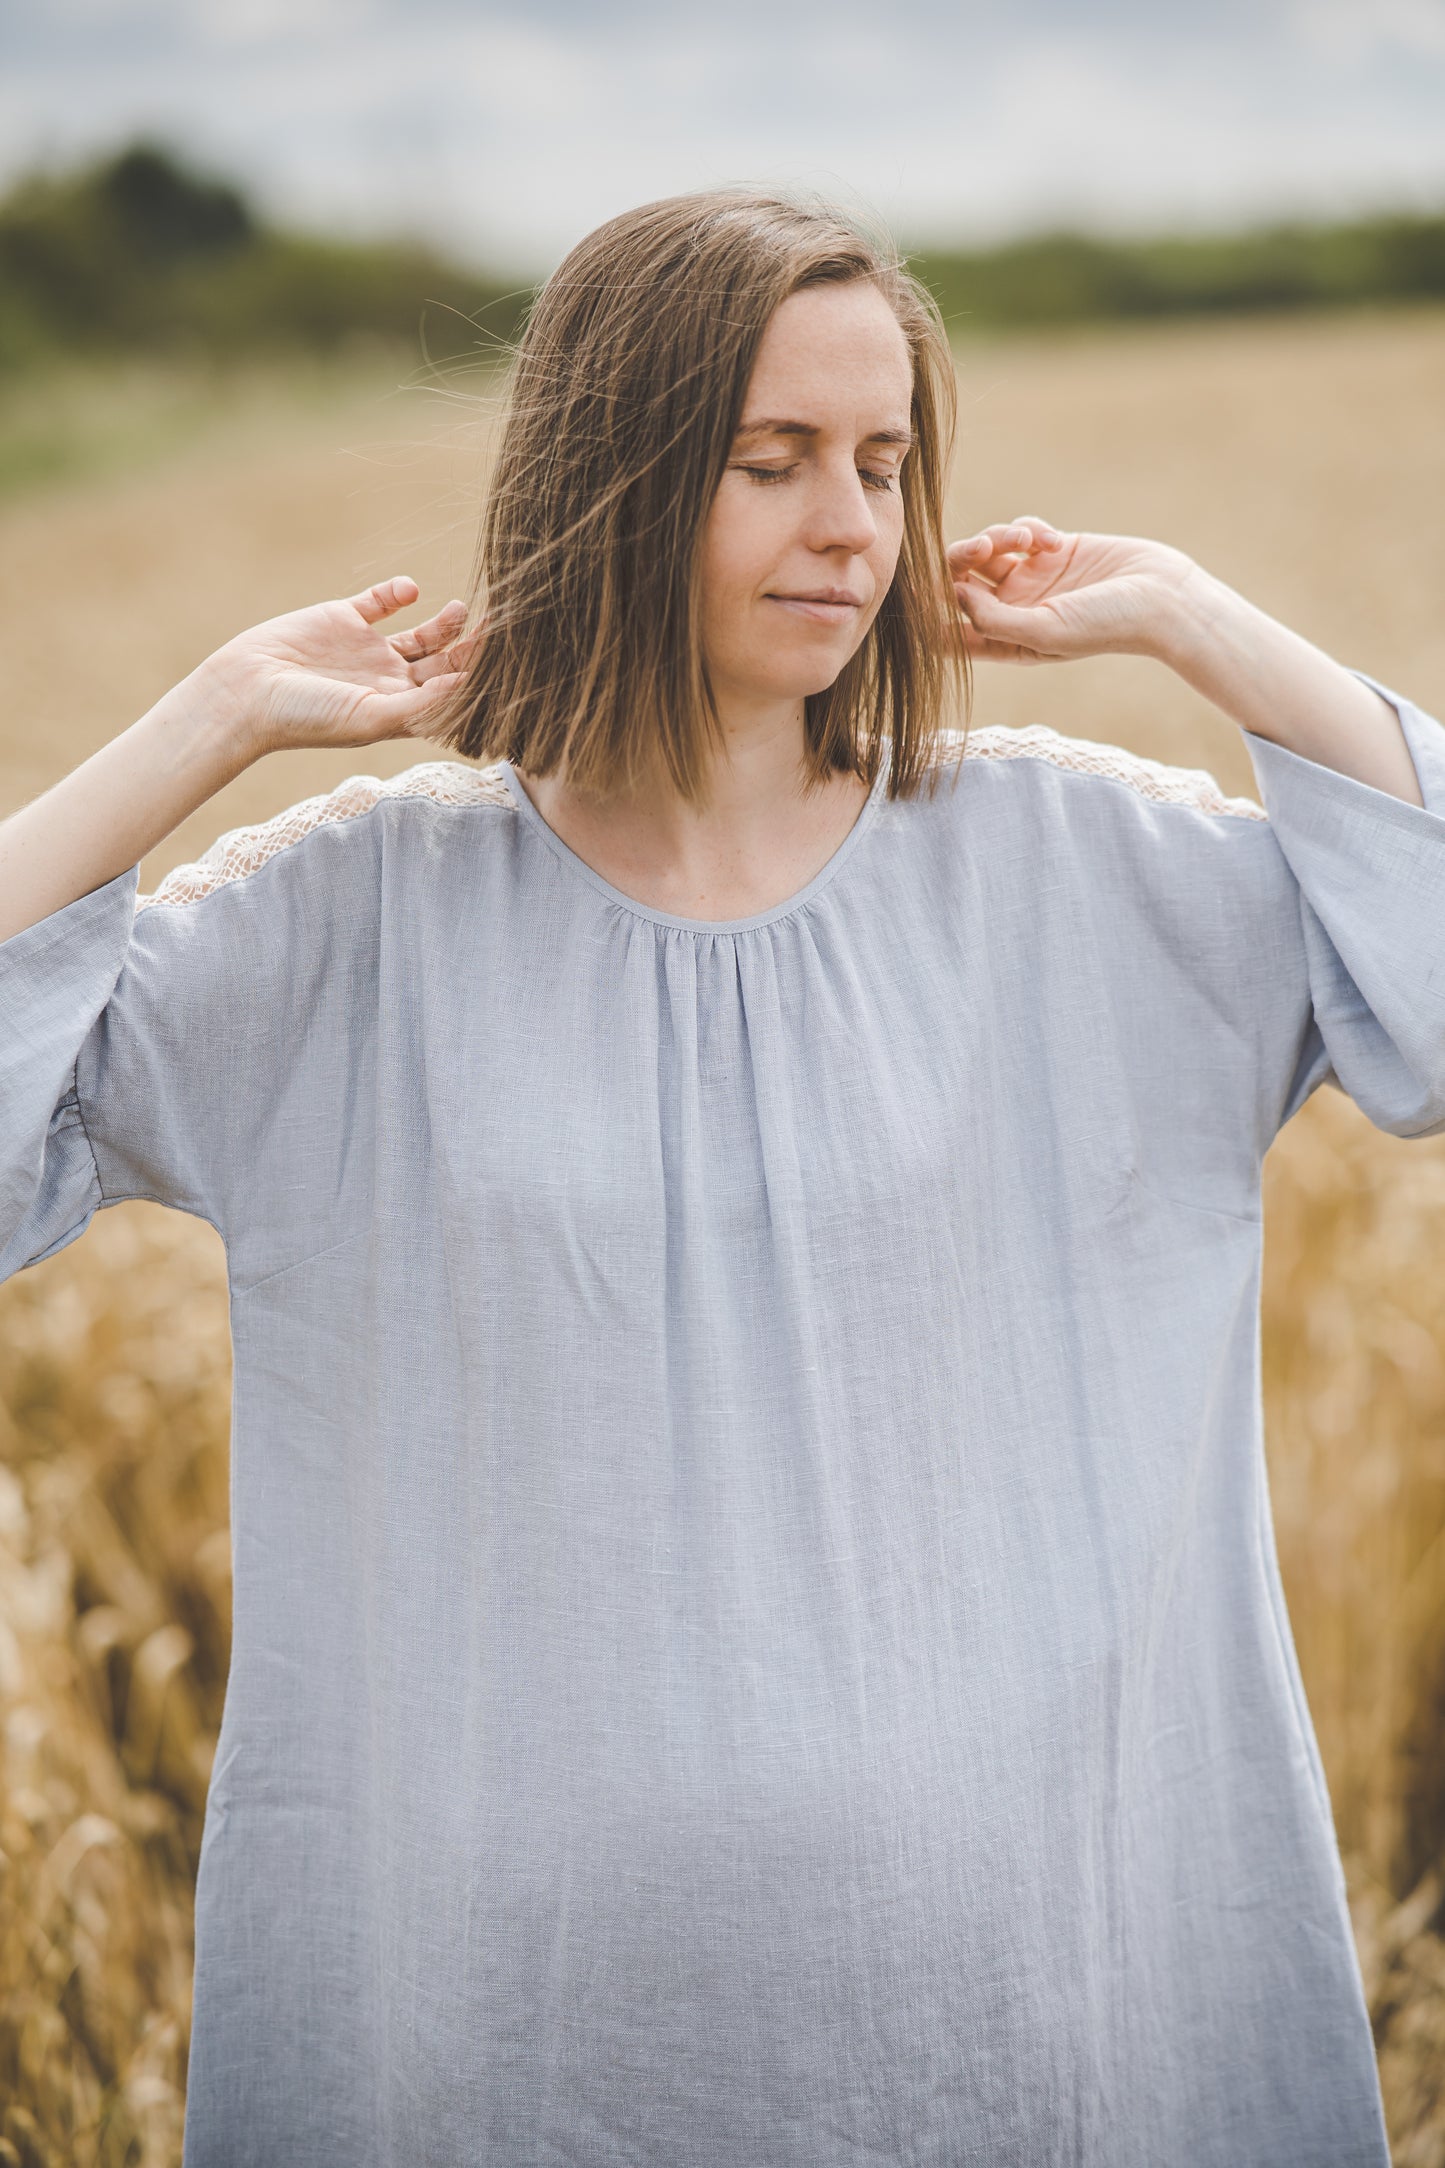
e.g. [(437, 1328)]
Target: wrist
[(1193, 622), (203, 723)]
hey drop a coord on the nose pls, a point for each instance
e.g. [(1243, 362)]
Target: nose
[(840, 516)]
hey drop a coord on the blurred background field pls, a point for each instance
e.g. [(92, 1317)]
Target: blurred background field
[(157, 496)]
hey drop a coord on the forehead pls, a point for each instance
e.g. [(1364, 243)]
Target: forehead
[(839, 349)]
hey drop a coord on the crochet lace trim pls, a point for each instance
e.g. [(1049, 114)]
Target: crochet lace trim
[(1154, 779), (242, 851)]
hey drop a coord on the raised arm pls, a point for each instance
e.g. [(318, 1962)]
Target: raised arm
[(1030, 593), (1352, 779), (320, 676)]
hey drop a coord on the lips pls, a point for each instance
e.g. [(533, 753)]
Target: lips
[(825, 605), (821, 594)]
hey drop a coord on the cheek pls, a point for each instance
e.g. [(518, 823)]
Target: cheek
[(720, 552), (886, 551), (883, 554), (739, 552)]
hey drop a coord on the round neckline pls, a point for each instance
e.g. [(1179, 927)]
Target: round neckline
[(759, 919)]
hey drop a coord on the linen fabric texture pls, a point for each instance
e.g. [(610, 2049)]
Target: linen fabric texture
[(758, 1637)]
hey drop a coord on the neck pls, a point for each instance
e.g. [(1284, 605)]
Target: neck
[(758, 832)]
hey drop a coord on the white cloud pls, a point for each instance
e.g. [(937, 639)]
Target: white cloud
[(1348, 31), (510, 133)]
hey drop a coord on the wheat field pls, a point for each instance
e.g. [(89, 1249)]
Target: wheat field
[(1305, 463)]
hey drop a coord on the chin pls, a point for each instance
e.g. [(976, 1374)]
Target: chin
[(780, 692), (794, 676), (821, 680), (811, 676)]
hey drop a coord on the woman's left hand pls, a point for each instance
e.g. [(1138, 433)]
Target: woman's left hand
[(1029, 593)]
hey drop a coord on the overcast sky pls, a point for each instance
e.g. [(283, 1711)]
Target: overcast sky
[(506, 130)]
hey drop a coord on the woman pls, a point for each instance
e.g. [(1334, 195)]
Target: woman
[(757, 1632)]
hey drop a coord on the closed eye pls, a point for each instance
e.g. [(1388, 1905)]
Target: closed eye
[(871, 477)]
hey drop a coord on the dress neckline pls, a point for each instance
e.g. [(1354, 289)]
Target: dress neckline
[(759, 919)]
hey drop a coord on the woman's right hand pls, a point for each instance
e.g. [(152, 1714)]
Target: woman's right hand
[(327, 675), (321, 676)]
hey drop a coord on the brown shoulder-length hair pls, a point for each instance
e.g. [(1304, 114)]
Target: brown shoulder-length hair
[(626, 395)]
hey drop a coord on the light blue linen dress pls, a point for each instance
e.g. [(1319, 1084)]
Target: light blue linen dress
[(757, 1630)]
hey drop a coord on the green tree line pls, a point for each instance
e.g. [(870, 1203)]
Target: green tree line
[(1060, 278), (136, 252)]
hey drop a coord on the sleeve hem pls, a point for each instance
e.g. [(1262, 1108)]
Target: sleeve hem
[(66, 918), (1277, 766)]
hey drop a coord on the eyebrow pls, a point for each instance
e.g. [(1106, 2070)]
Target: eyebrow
[(810, 429)]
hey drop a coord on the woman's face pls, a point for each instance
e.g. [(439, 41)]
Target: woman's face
[(803, 536)]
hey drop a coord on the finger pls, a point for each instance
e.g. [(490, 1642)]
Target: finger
[(1006, 538), (981, 650), (984, 559), (405, 714), (1002, 535), (389, 595), (455, 660), (969, 555), (1024, 626), (982, 606), (431, 700), (1046, 535), (977, 644), (419, 640)]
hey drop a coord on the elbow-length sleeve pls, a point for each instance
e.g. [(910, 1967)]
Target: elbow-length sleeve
[(56, 979), (1370, 873), (197, 1048)]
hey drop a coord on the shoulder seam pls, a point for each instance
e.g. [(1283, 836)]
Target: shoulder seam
[(241, 852), (1157, 780)]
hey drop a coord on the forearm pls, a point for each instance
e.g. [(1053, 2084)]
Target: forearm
[(106, 814), (1272, 682)]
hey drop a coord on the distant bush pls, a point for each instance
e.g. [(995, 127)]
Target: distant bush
[(135, 253), (1059, 278)]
